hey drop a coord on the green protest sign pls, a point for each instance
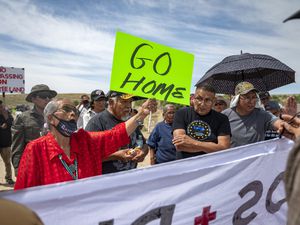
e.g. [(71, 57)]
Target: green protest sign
[(147, 69)]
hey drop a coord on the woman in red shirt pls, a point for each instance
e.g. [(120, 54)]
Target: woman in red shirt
[(65, 154)]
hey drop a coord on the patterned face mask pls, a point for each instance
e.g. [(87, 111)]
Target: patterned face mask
[(66, 128)]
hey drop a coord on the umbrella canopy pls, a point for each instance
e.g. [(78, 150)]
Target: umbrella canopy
[(296, 15), (263, 71)]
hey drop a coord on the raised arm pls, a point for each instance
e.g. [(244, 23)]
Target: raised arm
[(149, 106)]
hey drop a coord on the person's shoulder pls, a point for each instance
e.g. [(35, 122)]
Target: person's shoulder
[(35, 144), (26, 113), (23, 115), (227, 111), (220, 115), (184, 110), (97, 121), (260, 111), (159, 124), (81, 133), (98, 117)]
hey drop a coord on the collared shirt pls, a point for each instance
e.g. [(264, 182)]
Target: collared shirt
[(40, 163)]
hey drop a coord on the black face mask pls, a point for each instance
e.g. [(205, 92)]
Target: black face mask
[(66, 128), (85, 102)]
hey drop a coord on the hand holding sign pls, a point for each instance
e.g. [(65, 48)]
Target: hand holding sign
[(147, 69), (149, 106)]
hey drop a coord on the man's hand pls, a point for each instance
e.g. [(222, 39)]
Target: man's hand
[(182, 141), (4, 126), (148, 106), (140, 155), (123, 155), (290, 106), (290, 128)]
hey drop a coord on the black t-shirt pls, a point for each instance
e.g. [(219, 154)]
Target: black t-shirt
[(106, 121), (201, 128)]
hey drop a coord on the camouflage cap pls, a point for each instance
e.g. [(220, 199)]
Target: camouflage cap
[(244, 88)]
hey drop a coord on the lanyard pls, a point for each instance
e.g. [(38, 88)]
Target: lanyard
[(71, 169)]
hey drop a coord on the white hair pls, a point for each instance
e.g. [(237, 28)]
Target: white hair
[(50, 108)]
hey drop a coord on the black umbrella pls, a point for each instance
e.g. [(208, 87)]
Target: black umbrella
[(263, 71), (296, 15)]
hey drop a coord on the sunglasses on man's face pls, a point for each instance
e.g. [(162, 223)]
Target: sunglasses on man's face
[(219, 104), (44, 95), (69, 108)]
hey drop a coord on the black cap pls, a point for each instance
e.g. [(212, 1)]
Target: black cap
[(122, 95), (97, 94), (112, 94), (263, 95)]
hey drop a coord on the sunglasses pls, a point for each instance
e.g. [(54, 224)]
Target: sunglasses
[(69, 108), (219, 104), (44, 95)]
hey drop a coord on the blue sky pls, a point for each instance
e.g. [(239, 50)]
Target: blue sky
[(69, 44)]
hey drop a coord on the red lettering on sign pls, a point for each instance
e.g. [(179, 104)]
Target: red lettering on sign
[(2, 69), (205, 217), (3, 81)]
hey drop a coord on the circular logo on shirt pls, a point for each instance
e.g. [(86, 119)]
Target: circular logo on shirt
[(199, 130)]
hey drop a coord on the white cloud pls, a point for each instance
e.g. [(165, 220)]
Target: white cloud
[(74, 54)]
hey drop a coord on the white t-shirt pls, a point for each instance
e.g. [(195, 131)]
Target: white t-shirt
[(87, 116)]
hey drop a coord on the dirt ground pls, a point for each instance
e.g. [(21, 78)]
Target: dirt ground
[(3, 185)]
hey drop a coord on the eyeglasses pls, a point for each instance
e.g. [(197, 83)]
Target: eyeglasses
[(248, 98), (219, 104), (206, 101), (68, 109), (44, 95)]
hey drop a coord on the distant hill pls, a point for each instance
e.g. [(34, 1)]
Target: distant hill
[(11, 100)]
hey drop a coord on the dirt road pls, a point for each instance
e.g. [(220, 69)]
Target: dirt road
[(3, 185)]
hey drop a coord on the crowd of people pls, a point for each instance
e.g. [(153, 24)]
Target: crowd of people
[(58, 141)]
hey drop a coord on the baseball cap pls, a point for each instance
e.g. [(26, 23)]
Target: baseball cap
[(97, 94), (272, 105), (244, 87), (112, 94), (263, 95)]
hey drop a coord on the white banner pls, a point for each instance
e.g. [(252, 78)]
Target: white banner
[(12, 80), (238, 186)]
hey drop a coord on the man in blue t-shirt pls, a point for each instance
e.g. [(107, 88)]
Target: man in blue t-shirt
[(200, 129), (160, 140)]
